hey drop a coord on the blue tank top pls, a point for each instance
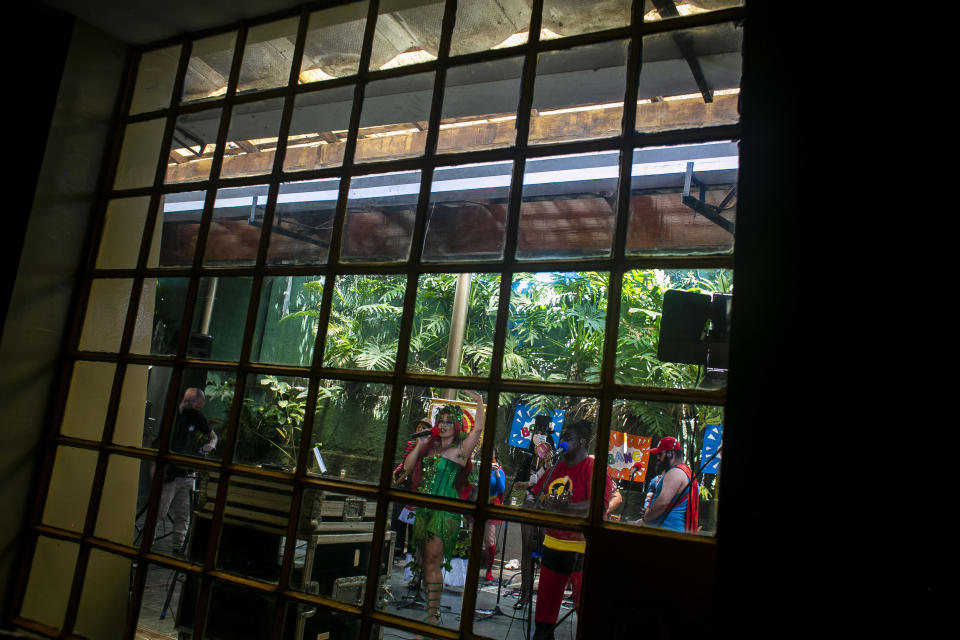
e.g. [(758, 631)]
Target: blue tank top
[(676, 519)]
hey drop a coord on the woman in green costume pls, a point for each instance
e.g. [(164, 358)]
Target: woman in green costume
[(439, 466)]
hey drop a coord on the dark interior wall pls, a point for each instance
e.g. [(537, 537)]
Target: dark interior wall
[(61, 128)]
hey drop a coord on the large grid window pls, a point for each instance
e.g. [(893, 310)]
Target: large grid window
[(333, 222)]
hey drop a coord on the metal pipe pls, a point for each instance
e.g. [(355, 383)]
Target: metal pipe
[(208, 306), (458, 329)]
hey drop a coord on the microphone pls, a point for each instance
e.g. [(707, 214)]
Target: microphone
[(434, 431), (562, 449), (637, 466)]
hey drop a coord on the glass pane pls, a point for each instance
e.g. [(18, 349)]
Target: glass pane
[(69, 492), (364, 325), (569, 206), (192, 146), (106, 587), (393, 122), (578, 94), (318, 129), (162, 302), (674, 328), (420, 461), (305, 621), (349, 428), (286, 329), (334, 38), (234, 236), (267, 53), (254, 524), (219, 388), (453, 324), (571, 17), (221, 304), (158, 617), (690, 78), (422, 587), (467, 216), (184, 497), (86, 410), (271, 422), (490, 24), (303, 222), (155, 77), (407, 33), (480, 106), (142, 402), (332, 552), (652, 13), (51, 576), (557, 324), (379, 220), (663, 220), (139, 153), (106, 315), (235, 612), (126, 481), (178, 224), (122, 230), (532, 596), (639, 427), (209, 68), (252, 138)]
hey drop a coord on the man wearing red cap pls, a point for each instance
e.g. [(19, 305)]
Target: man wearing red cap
[(676, 498)]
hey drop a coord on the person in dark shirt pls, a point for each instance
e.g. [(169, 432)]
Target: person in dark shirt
[(191, 436)]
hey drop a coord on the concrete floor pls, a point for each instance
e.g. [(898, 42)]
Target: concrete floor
[(154, 625)]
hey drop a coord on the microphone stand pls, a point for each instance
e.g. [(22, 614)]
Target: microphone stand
[(485, 614), (536, 502)]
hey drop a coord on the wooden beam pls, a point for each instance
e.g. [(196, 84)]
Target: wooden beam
[(557, 127)]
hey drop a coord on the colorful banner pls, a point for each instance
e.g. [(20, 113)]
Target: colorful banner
[(712, 435), (624, 451), (522, 426)]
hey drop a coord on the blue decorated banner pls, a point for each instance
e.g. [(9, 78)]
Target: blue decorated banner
[(523, 421), (711, 440)]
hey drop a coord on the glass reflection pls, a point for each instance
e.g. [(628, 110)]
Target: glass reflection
[(379, 220), (683, 200), (271, 421), (282, 334), (364, 327), (557, 326), (332, 47), (406, 33), (349, 428), (192, 146), (480, 106), (467, 213), (216, 333), (318, 129), (393, 122), (690, 78), (674, 327), (578, 94), (234, 234), (489, 24), (267, 53), (303, 222), (252, 138), (209, 68), (653, 439), (178, 224), (572, 17), (569, 206), (453, 323), (160, 316)]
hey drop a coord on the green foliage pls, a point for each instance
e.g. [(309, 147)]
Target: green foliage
[(556, 332)]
